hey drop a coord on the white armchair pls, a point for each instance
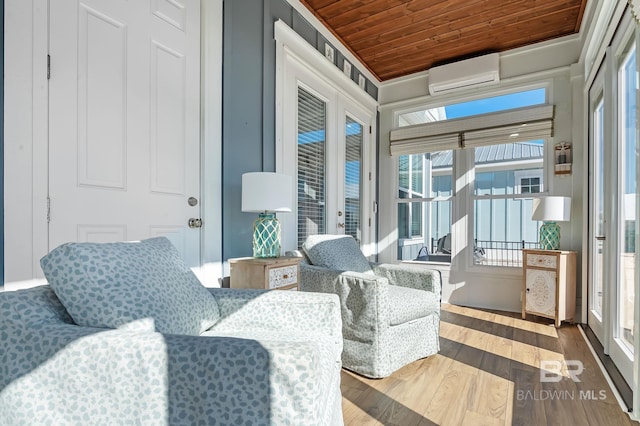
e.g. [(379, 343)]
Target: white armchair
[(390, 313)]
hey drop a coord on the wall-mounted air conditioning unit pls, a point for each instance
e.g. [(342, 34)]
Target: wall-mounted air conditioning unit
[(465, 74)]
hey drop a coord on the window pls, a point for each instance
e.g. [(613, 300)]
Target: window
[(471, 108), (411, 186), (530, 185), (424, 207), (502, 218), (506, 137)]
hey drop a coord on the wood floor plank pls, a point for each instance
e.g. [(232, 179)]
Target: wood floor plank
[(472, 418), (527, 409), (508, 417), (491, 397), (448, 406), (488, 373)]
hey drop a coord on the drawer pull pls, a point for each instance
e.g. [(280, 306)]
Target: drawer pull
[(542, 261), (283, 276)]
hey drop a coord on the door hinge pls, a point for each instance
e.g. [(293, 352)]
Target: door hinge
[(370, 129), (369, 175), (375, 207), (369, 222), (48, 67), (48, 210)]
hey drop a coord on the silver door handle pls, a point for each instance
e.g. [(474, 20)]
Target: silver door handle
[(601, 238), (195, 223)]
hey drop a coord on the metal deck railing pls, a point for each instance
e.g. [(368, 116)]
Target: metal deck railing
[(496, 253), (501, 253)]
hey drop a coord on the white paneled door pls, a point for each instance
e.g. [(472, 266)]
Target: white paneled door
[(124, 141)]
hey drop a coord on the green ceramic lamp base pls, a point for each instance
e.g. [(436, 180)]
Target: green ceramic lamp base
[(266, 236), (550, 236)]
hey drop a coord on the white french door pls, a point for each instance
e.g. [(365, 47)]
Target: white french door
[(124, 123), (613, 199), (327, 148), (625, 215), (597, 233)]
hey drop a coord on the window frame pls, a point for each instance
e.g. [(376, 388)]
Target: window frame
[(463, 178), (416, 239)]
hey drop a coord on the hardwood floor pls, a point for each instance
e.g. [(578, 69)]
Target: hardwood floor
[(488, 373)]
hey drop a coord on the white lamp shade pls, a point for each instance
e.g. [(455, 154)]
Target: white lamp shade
[(266, 192), (552, 209)]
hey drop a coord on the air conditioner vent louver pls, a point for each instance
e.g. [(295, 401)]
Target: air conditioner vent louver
[(465, 74)]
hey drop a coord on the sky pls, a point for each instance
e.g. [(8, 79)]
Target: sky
[(496, 103)]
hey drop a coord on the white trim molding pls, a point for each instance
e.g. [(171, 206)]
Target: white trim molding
[(25, 139), (211, 141), (303, 52)]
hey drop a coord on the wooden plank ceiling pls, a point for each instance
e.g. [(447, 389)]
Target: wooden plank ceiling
[(394, 38)]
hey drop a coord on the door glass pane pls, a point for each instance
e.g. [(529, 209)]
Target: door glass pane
[(311, 165), (627, 218), (353, 179), (598, 209)]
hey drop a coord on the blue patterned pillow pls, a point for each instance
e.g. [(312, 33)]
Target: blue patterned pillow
[(110, 284), (340, 252)]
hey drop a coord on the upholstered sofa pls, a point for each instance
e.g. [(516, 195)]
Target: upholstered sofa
[(230, 357), (390, 313)]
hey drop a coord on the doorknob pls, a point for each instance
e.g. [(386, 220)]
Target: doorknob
[(195, 223), (339, 213)]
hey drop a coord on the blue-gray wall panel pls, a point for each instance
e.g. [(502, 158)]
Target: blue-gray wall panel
[(242, 138)]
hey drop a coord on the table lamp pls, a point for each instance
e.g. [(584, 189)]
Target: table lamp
[(266, 193), (551, 210)]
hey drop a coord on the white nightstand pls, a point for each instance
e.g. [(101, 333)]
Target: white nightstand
[(274, 273)]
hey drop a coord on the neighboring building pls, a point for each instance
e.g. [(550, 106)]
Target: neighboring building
[(515, 168)]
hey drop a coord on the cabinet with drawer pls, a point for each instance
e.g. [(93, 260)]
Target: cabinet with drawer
[(549, 287), (274, 273)]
